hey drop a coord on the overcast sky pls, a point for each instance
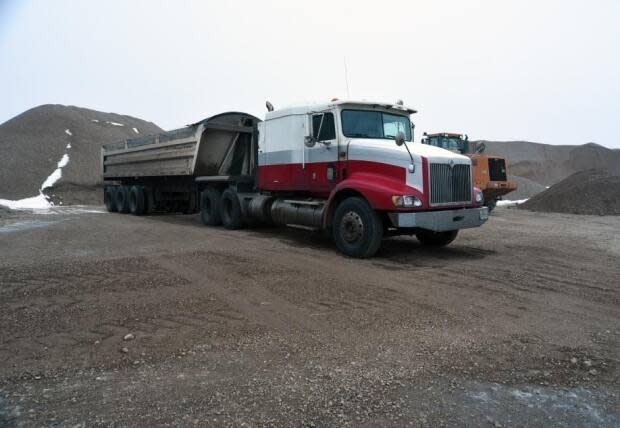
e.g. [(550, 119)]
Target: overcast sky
[(546, 71)]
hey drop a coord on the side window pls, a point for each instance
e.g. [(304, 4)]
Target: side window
[(323, 127)]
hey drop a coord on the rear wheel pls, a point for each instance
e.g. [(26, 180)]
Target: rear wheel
[(436, 239), (210, 207), (230, 210), (137, 200), (357, 229), (122, 199), (109, 198)]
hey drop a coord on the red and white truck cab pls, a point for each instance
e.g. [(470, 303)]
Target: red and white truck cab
[(356, 161)]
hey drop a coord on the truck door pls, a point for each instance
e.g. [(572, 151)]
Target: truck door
[(322, 158)]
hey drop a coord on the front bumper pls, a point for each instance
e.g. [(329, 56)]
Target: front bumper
[(441, 221)]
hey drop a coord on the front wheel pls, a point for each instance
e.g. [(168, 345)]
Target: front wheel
[(357, 229), (436, 239)]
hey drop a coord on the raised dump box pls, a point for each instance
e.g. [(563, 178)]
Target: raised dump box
[(221, 146)]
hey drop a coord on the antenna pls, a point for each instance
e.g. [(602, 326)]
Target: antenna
[(346, 75)]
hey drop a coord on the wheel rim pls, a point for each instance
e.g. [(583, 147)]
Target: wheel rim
[(351, 227)]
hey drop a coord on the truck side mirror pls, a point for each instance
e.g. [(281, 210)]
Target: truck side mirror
[(309, 141), (399, 138)]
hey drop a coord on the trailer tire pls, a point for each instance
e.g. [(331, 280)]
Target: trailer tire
[(230, 210), (210, 207), (436, 239), (122, 199), (109, 198), (357, 229), (137, 202)]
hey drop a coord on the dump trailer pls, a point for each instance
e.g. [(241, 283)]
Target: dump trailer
[(346, 167), (489, 172)]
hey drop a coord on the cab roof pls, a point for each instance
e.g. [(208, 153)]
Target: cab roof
[(310, 108), (445, 134)]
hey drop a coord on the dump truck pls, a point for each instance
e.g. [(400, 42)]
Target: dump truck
[(489, 172), (349, 168)]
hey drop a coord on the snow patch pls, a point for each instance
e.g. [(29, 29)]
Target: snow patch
[(523, 395), (68, 132), (115, 124), (55, 176), (509, 203), (33, 203), (40, 201), (136, 130), (94, 120)]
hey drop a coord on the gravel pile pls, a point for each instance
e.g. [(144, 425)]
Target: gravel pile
[(594, 191), (547, 164), (5, 212), (32, 144)]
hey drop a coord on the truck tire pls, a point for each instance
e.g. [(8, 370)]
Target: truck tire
[(230, 210), (210, 206), (109, 198), (436, 239), (137, 200), (357, 229), (491, 204), (122, 199)]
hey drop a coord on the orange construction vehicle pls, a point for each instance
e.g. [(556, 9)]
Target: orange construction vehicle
[(489, 172)]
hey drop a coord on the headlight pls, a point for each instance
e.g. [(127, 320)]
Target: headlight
[(479, 197), (406, 201)]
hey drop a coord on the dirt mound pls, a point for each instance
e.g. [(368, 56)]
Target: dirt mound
[(5, 211), (593, 191), (547, 164), (33, 144)]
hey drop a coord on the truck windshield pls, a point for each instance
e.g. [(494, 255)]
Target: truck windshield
[(454, 144), (374, 124)]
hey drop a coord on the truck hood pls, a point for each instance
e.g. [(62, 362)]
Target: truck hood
[(387, 152), (377, 149)]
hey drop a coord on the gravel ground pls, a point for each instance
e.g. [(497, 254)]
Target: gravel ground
[(114, 320)]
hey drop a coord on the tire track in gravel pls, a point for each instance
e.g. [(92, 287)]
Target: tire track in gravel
[(235, 280)]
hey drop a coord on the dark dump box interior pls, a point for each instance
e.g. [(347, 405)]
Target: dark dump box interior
[(222, 145)]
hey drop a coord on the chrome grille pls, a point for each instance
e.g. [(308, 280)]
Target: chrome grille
[(450, 184)]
